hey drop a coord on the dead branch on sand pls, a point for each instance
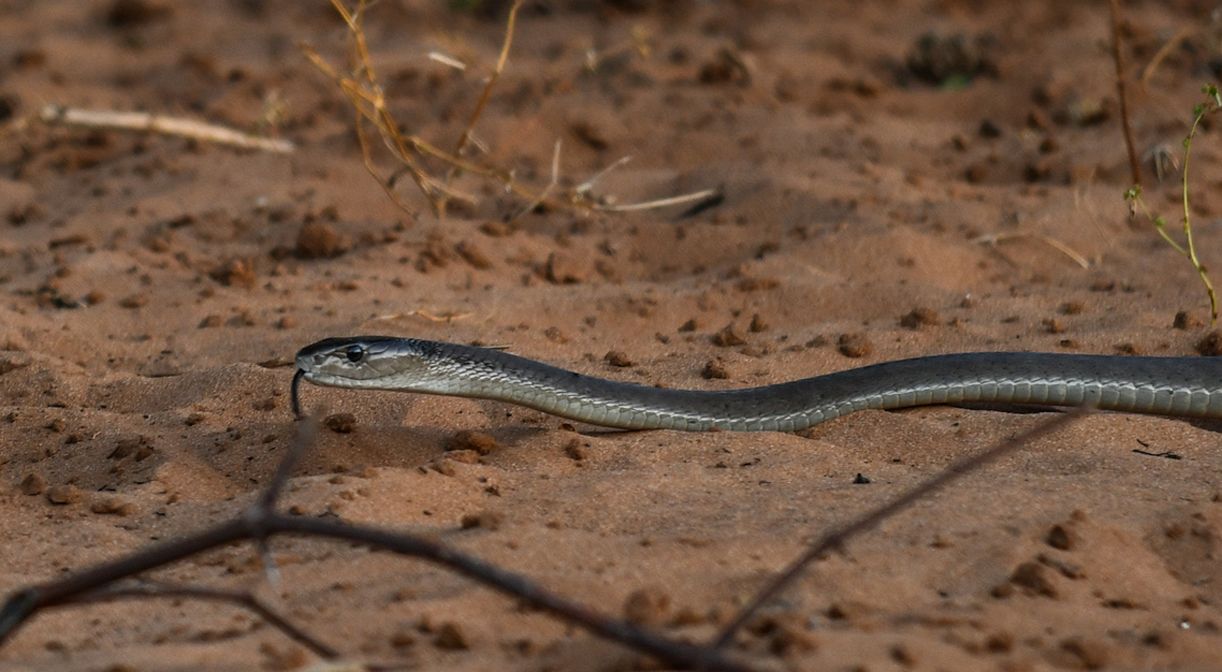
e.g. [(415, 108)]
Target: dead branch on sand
[(365, 93), (121, 578), (263, 520), (56, 115), (836, 538)]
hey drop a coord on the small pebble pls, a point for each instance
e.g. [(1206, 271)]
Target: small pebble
[(64, 494), (115, 506), (340, 423), (489, 520), (919, 317), (481, 443), (236, 273), (618, 358), (1185, 320), (715, 369), (647, 606), (561, 269), (854, 345), (575, 451), (1060, 537), (450, 637), (474, 255), (317, 240), (33, 484), (1033, 579), (134, 301), (728, 337), (1211, 344)]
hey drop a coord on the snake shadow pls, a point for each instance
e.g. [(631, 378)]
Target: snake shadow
[(1207, 424)]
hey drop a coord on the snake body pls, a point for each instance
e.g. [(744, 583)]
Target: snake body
[(1177, 386)]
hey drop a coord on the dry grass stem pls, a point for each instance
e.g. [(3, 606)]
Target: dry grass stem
[(682, 199), (547, 191), (57, 115), (365, 94), (1147, 73), (447, 60), (585, 187), (1118, 63), (994, 238)]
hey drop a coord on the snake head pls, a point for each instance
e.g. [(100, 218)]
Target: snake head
[(357, 361)]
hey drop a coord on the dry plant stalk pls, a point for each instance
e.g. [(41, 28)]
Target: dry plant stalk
[(1118, 63), (165, 125), (367, 97)]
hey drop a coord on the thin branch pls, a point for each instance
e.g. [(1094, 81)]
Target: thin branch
[(836, 538), (165, 125), (1118, 62)]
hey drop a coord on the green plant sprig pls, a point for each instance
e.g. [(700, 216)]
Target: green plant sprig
[(1212, 104)]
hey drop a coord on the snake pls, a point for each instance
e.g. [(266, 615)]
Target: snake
[(1173, 386)]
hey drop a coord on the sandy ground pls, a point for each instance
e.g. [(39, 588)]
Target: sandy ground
[(153, 291)]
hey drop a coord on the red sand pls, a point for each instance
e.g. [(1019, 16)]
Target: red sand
[(854, 193)]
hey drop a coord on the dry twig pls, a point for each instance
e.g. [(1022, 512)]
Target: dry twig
[(156, 123), (367, 97), (1118, 62), (992, 239)]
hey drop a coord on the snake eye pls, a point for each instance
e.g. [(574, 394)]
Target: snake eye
[(354, 353)]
